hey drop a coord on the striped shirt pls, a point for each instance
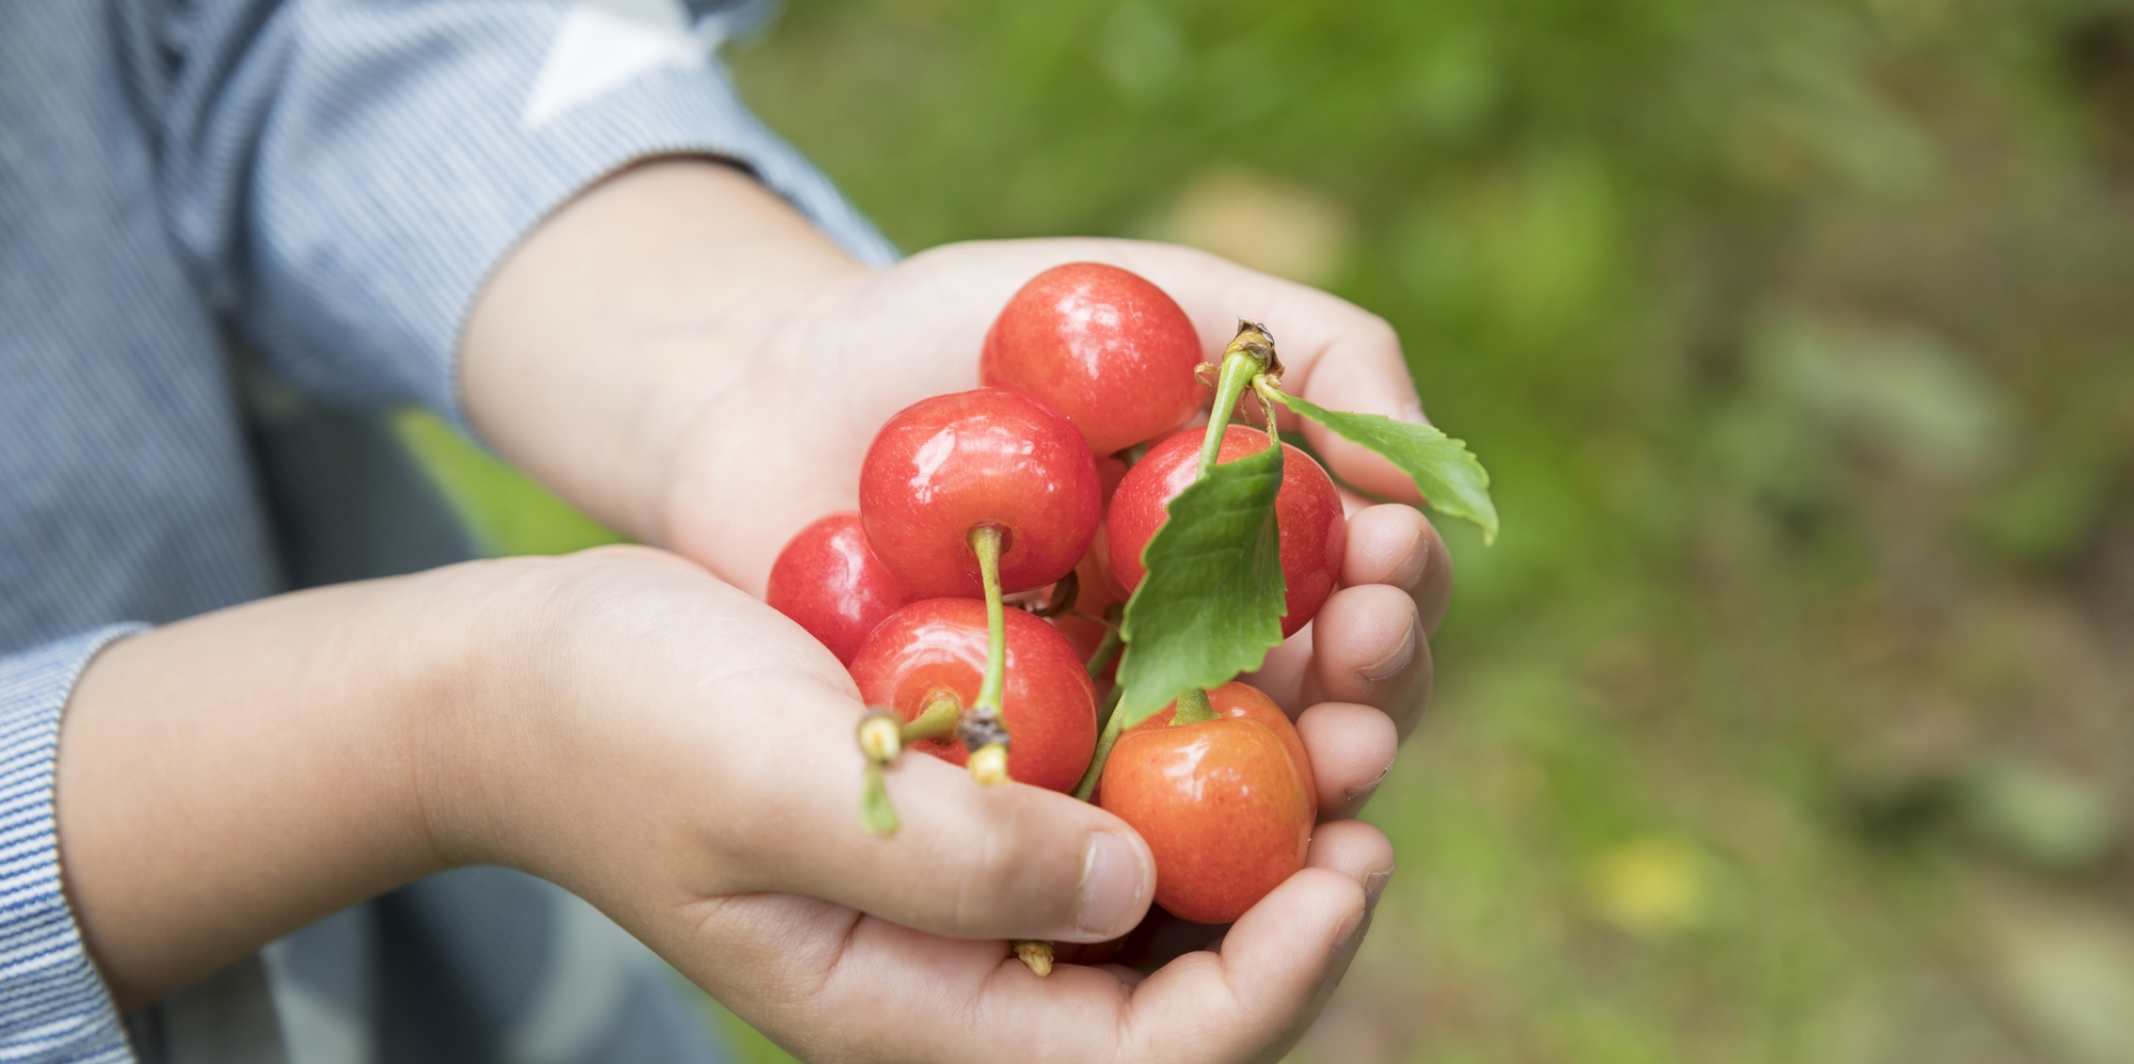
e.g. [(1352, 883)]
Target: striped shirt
[(232, 232)]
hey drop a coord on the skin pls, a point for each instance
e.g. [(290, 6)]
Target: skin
[(680, 354)]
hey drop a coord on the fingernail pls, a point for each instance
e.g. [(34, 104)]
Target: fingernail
[(1420, 551), (1364, 790), (1393, 662), (1373, 886), (1348, 930), (1111, 883)]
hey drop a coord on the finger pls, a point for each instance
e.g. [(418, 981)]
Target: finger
[(828, 983), (1357, 850), (1364, 372), (1398, 546), (1254, 951), (1369, 647), (969, 861), (1352, 748), (1254, 999), (831, 984)]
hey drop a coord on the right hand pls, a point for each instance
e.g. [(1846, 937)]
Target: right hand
[(683, 757)]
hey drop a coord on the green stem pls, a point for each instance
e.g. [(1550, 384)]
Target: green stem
[(1110, 708), (1193, 708), (876, 813), (1270, 393), (1114, 722), (1106, 651), (936, 720), (1239, 368), (985, 542), (1246, 363)]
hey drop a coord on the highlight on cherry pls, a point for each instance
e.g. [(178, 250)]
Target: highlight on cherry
[(1055, 579)]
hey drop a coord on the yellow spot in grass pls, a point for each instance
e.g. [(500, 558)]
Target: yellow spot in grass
[(1650, 887)]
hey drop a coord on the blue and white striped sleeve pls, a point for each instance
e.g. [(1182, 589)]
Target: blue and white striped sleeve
[(53, 1005), (344, 174)]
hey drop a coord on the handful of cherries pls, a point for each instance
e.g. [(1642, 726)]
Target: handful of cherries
[(1175, 556)]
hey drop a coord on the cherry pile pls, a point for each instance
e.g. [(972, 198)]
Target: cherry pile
[(1008, 547)]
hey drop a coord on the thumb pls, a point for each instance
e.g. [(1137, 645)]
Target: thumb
[(969, 861)]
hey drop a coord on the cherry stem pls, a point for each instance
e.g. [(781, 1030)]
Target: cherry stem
[(983, 733), (1246, 363), (1107, 650), (1193, 708), (1035, 955), (985, 542), (1114, 723), (1249, 361), (1269, 388), (936, 720), (877, 815), (1239, 368)]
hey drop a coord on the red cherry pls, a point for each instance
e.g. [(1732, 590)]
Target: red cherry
[(1307, 512), (1226, 805), (945, 465), (1102, 346), (829, 581), (938, 645)]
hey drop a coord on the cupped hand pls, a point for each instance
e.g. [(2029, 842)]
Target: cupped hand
[(763, 459), (683, 756)]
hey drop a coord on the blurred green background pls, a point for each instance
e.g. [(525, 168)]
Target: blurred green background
[(1792, 717)]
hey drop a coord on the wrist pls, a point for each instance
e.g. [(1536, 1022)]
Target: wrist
[(607, 333), (476, 684), (229, 778)]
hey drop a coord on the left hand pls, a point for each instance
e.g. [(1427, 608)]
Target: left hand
[(683, 355), (877, 342)]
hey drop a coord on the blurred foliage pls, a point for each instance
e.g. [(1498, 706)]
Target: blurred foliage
[(1792, 717)]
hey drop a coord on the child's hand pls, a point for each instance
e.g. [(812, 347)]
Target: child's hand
[(675, 751), (874, 343), (684, 356), (682, 756)]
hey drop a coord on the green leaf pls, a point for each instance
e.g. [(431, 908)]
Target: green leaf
[(1444, 470), (1211, 604)]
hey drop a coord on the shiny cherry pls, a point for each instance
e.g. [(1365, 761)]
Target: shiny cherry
[(1226, 805), (1101, 345), (948, 464), (939, 645), (1307, 513), (828, 580)]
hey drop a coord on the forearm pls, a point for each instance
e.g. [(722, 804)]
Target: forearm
[(227, 779), (602, 338)]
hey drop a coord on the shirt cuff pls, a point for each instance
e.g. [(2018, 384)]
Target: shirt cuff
[(53, 1005)]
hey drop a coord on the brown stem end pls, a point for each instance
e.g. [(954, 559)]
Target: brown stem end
[(1037, 956)]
